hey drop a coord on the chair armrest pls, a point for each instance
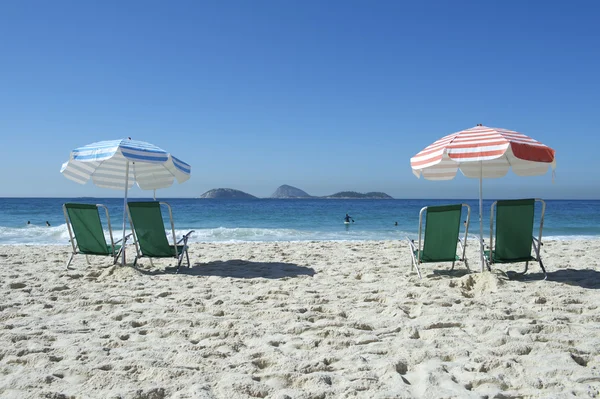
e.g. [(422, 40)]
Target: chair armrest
[(185, 237), (126, 238)]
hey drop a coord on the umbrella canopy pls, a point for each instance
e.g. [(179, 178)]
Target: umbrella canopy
[(118, 164), (105, 163), (483, 152)]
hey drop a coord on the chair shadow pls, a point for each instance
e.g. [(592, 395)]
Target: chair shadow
[(585, 278), (238, 268), (456, 273)]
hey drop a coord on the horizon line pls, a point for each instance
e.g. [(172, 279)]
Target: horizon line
[(295, 198)]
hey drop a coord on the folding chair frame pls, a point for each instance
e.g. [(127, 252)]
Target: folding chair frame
[(72, 240), (416, 260), (536, 243), (184, 239)]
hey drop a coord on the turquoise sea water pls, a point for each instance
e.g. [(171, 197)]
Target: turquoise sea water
[(282, 220)]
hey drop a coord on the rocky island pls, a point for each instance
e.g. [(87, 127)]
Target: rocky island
[(286, 191), (227, 193), (289, 192)]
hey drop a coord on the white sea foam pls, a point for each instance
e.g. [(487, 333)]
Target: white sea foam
[(34, 235), (59, 235), (568, 238), (222, 234)]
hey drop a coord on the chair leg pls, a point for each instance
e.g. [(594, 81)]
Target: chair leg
[(526, 268), (185, 249), (536, 248), (69, 261), (487, 263), (116, 257), (87, 260), (179, 260), (452, 268), (467, 265), (414, 264), (135, 261), (543, 268)]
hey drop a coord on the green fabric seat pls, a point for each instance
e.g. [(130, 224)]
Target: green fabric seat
[(441, 236), (149, 233), (86, 232), (424, 259), (496, 259), (512, 240)]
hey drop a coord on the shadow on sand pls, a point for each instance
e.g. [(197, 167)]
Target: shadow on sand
[(585, 278), (456, 273), (238, 268)]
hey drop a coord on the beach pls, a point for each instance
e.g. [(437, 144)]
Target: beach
[(298, 320)]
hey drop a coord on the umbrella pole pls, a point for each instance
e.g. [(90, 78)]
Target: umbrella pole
[(125, 211), (481, 215)]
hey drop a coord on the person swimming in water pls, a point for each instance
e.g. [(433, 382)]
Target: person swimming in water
[(347, 219), (47, 223)]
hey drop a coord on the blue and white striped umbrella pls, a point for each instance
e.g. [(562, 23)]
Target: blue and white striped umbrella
[(110, 164)]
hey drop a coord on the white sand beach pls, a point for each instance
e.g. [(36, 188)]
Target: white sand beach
[(298, 320)]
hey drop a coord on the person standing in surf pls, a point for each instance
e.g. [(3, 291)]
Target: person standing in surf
[(347, 219)]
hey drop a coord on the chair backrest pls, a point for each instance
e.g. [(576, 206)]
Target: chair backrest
[(442, 226), (514, 229), (87, 228), (149, 229)]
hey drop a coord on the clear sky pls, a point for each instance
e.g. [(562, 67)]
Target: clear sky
[(321, 95)]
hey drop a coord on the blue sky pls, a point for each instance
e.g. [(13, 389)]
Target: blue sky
[(322, 95)]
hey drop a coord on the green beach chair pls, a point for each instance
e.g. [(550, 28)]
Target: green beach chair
[(86, 233), (512, 240), (149, 233), (441, 236)]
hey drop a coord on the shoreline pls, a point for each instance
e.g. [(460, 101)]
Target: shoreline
[(473, 240), (298, 320)]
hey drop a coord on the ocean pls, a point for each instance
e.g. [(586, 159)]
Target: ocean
[(217, 220)]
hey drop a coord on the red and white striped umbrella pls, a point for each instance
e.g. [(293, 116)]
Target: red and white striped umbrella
[(483, 152)]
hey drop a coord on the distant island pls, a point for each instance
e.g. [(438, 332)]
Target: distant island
[(289, 192), (355, 195), (227, 193), (286, 191)]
